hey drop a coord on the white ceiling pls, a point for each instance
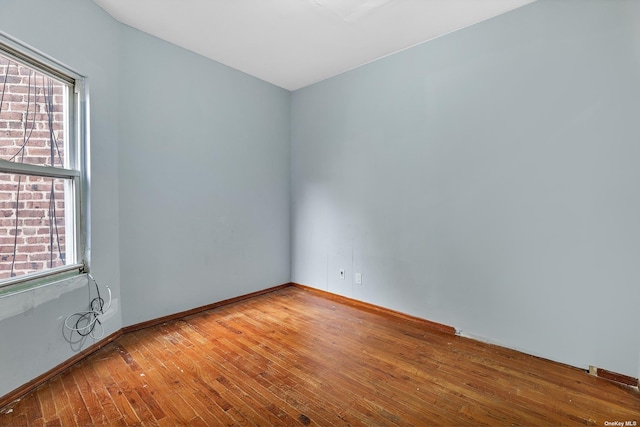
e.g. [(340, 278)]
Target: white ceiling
[(294, 43)]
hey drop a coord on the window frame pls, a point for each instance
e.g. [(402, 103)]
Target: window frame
[(76, 166)]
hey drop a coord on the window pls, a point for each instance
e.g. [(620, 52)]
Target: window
[(42, 166)]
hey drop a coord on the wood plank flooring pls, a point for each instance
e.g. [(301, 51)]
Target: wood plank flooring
[(293, 357)]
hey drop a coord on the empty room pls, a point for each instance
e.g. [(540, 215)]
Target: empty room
[(319, 212)]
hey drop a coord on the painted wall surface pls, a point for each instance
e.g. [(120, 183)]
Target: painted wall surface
[(204, 180), (195, 206), (487, 180), (80, 35)]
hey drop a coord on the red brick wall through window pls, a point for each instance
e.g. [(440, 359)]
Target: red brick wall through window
[(32, 209)]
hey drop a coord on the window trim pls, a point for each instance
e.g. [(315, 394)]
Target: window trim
[(37, 170), (78, 124)]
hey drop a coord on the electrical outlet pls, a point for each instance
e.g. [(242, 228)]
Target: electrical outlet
[(358, 278), (341, 273)]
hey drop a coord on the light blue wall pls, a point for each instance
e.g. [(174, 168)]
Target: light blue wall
[(189, 177), (204, 180), (486, 180), (82, 36)]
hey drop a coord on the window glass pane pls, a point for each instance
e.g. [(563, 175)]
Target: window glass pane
[(36, 224), (33, 109)]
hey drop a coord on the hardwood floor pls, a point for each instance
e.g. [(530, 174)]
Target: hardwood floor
[(293, 357)]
